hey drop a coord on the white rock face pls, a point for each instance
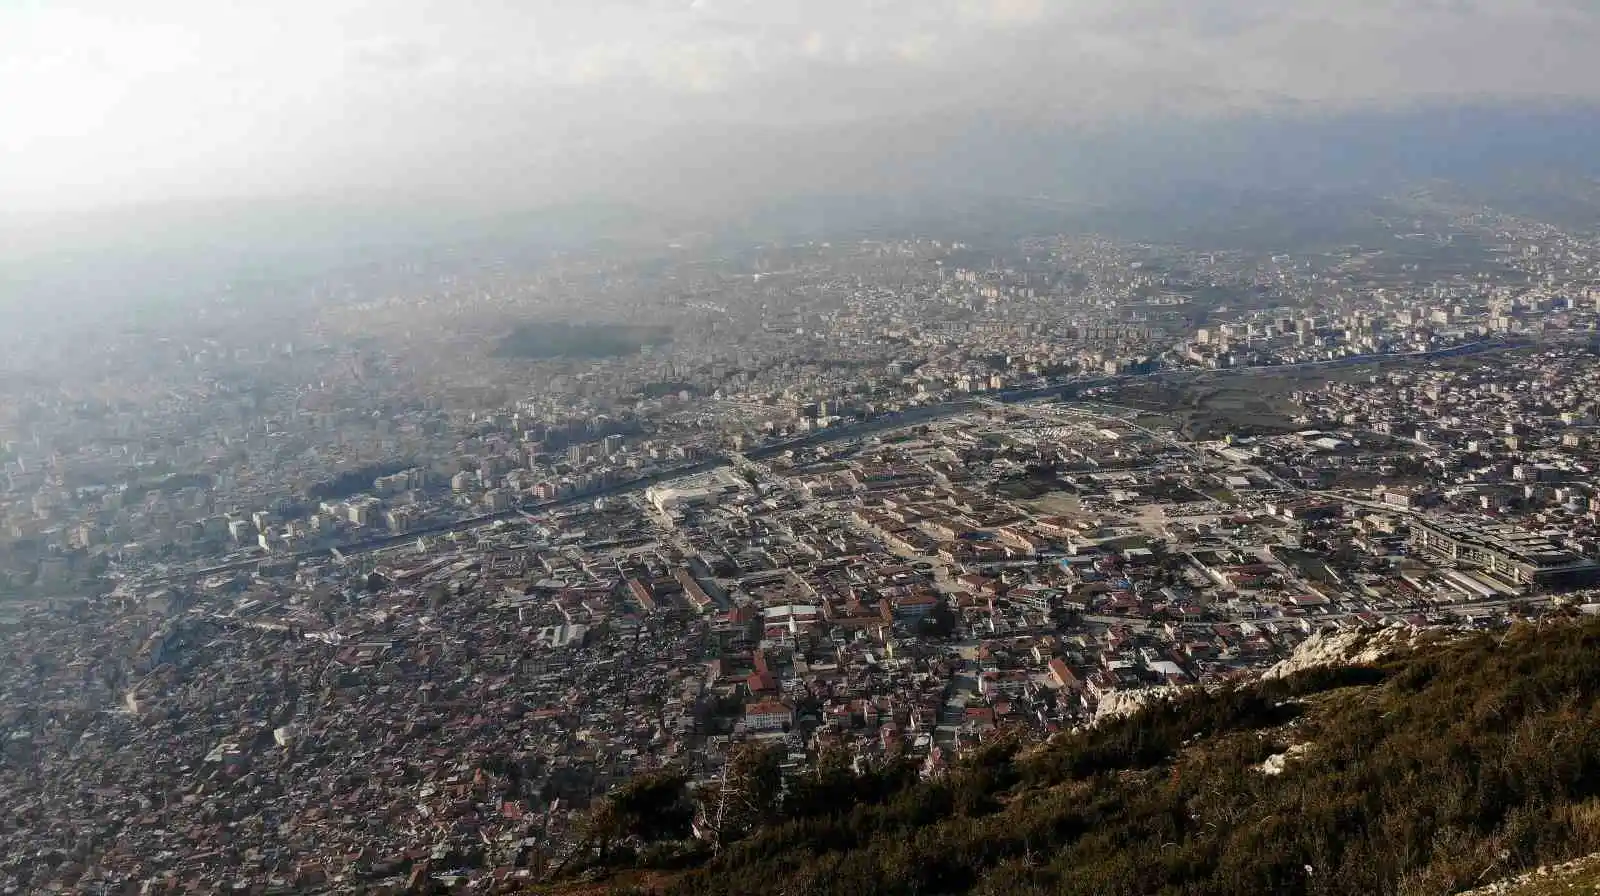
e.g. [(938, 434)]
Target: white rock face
[(1323, 649), (1335, 648), (1277, 762), (1544, 879), (1126, 703)]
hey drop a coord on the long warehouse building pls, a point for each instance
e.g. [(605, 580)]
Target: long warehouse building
[(1505, 551)]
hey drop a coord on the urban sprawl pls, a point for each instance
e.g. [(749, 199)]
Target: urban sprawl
[(391, 574)]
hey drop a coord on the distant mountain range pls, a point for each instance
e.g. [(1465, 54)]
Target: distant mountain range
[(1294, 176)]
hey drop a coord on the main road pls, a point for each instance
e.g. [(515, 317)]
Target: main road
[(858, 430)]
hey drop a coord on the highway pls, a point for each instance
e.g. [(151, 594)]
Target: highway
[(862, 429), (1069, 389), (379, 543)]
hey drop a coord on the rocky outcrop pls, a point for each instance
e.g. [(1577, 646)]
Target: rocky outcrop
[(1345, 648), (1128, 702), (1277, 762), (1578, 876)]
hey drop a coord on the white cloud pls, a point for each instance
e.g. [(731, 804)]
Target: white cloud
[(106, 100)]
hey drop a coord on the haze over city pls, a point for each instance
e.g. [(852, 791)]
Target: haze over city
[(694, 102), (759, 446)]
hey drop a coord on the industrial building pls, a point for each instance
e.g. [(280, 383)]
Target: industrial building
[(1508, 552)]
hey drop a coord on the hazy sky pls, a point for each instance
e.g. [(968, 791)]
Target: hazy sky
[(108, 102)]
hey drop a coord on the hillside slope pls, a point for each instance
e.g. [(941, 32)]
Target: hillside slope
[(1574, 878), (1442, 769)]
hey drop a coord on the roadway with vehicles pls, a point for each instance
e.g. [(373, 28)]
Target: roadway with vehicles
[(858, 430)]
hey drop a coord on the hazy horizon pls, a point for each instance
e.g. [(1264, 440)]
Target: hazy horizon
[(688, 104)]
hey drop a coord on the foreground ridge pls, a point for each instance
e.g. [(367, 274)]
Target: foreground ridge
[(1577, 876), (1428, 770)]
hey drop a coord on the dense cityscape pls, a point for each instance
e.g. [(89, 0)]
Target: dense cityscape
[(389, 577)]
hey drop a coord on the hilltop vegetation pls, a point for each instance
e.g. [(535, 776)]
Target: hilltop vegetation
[(1567, 879), (1453, 766)]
